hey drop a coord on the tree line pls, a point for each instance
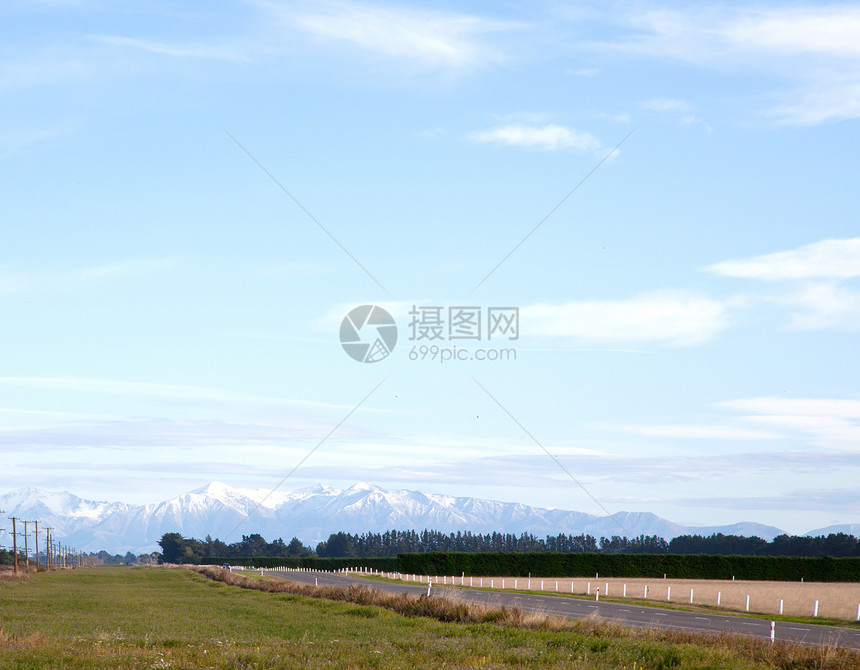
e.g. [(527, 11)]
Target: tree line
[(177, 549)]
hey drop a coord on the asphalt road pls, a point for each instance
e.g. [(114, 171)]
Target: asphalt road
[(625, 614)]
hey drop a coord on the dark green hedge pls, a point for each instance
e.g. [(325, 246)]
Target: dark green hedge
[(675, 566), (382, 564)]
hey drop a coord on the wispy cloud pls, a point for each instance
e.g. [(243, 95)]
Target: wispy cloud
[(679, 110), (167, 433), (664, 317), (827, 422), (14, 281), (831, 259), (155, 390), (548, 137), (816, 296), (706, 432), (216, 51), (426, 37), (13, 142), (816, 47), (801, 500), (667, 105), (830, 407)]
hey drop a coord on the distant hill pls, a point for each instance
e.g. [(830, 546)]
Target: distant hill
[(847, 528)]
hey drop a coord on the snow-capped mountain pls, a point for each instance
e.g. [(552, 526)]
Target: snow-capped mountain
[(312, 514)]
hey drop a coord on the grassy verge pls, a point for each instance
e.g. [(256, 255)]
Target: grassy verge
[(703, 609), (155, 618)]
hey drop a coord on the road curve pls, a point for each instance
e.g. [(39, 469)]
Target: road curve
[(623, 613)]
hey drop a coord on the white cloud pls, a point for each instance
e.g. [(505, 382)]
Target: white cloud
[(155, 390), (548, 137), (694, 432), (797, 406), (833, 259), (814, 46), (583, 72), (432, 38), (673, 318), (667, 105), (828, 422), (817, 299), (220, 52), (61, 280), (828, 99), (822, 305), (807, 30), (11, 143)]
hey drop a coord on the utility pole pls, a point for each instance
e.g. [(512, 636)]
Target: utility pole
[(36, 535), (14, 543), (26, 547), (48, 530)]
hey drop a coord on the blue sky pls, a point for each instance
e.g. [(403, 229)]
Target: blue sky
[(195, 195)]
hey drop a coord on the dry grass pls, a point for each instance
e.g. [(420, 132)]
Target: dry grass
[(9, 577), (835, 600), (450, 608), (30, 641)]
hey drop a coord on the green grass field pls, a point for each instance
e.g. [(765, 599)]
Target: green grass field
[(156, 618)]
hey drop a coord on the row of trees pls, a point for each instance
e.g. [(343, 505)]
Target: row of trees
[(177, 549), (394, 542)]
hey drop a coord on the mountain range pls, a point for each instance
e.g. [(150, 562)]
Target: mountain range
[(311, 514)]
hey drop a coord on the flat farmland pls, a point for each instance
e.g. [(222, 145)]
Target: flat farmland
[(159, 618), (836, 600)]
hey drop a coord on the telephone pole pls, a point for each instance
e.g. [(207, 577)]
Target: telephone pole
[(14, 543), (36, 535), (26, 547), (48, 530)]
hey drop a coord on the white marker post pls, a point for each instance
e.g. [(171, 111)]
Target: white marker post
[(815, 609), (668, 593), (645, 591), (597, 595), (428, 589), (748, 603), (780, 606), (772, 631), (624, 591), (691, 596), (718, 598)]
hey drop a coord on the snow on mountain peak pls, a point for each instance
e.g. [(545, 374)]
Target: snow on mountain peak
[(364, 486), (311, 514)]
